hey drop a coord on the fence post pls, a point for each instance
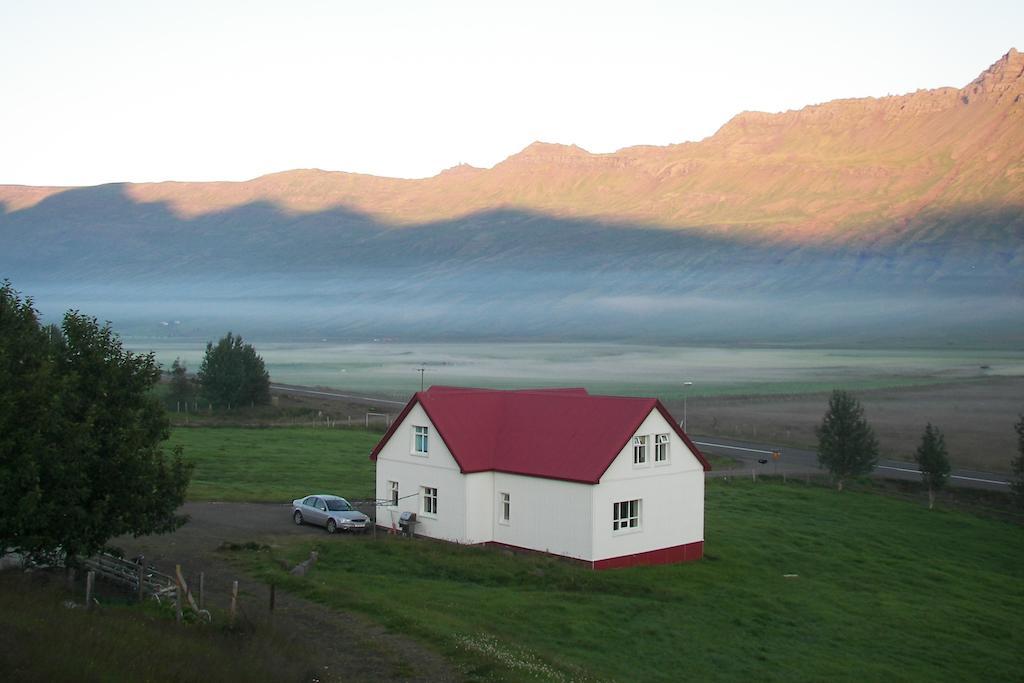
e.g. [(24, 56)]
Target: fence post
[(71, 578), (234, 602), (142, 580), (90, 579), (202, 587), (272, 596)]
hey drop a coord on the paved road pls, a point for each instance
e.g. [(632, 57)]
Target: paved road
[(306, 391), (802, 459)]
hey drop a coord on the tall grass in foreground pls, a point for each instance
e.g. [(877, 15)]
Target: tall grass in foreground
[(798, 583), (42, 640)]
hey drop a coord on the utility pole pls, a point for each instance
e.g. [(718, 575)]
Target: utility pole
[(686, 386), (421, 371)]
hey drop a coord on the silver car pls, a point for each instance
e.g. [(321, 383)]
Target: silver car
[(333, 512)]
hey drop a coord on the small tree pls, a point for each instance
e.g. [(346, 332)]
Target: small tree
[(933, 460), (847, 446), (1017, 464), (182, 387), (233, 374)]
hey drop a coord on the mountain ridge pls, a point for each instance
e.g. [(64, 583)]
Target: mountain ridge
[(896, 220), (813, 173)]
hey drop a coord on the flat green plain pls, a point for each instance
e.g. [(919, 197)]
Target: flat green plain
[(798, 583)]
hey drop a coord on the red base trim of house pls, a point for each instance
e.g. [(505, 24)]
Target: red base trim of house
[(687, 552)]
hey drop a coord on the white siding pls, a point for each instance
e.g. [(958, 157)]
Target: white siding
[(479, 511), (672, 494), (546, 514), (437, 469)]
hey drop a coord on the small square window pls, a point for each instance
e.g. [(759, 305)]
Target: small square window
[(626, 515), (640, 450), (420, 439)]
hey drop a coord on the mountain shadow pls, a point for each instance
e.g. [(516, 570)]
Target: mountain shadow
[(952, 275)]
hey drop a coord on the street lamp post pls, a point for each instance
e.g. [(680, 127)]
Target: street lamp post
[(685, 385), (421, 371)]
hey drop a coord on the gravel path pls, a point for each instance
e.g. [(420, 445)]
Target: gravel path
[(340, 646)]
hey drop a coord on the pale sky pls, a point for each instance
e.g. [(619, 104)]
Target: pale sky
[(94, 92)]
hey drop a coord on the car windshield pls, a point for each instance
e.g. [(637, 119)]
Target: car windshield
[(338, 505)]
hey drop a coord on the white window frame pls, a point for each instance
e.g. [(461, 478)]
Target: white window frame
[(627, 516), (662, 449), (416, 436), (428, 501), (641, 452), (504, 507), (393, 493)]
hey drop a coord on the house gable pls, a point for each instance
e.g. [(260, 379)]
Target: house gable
[(400, 442), (678, 455)]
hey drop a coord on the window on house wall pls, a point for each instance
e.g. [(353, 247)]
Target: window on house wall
[(639, 450), (626, 515), (393, 488), (506, 508), (661, 448), (419, 440), (429, 500)]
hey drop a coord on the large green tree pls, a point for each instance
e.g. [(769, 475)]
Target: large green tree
[(232, 374), (81, 456), (932, 458), (1017, 464), (847, 446)]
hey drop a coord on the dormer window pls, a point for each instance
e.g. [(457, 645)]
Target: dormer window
[(420, 438)]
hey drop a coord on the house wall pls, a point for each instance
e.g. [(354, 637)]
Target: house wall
[(437, 469), (479, 507), (672, 495), (546, 514)]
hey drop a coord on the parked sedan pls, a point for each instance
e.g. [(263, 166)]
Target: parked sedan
[(333, 512)]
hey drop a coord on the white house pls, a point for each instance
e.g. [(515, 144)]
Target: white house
[(608, 480)]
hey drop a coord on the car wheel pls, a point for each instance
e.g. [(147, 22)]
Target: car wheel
[(297, 517), (332, 526)]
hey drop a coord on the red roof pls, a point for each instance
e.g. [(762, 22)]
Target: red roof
[(553, 433)]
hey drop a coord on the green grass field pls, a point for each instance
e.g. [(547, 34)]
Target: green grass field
[(884, 590), (275, 465)]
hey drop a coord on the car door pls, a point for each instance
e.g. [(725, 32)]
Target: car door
[(316, 514)]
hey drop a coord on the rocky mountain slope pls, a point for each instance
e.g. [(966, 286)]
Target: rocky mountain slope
[(903, 208)]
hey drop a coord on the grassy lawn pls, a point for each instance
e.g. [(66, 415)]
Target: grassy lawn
[(884, 590), (275, 465)]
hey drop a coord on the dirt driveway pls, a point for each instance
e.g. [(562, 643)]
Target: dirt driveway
[(370, 652)]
